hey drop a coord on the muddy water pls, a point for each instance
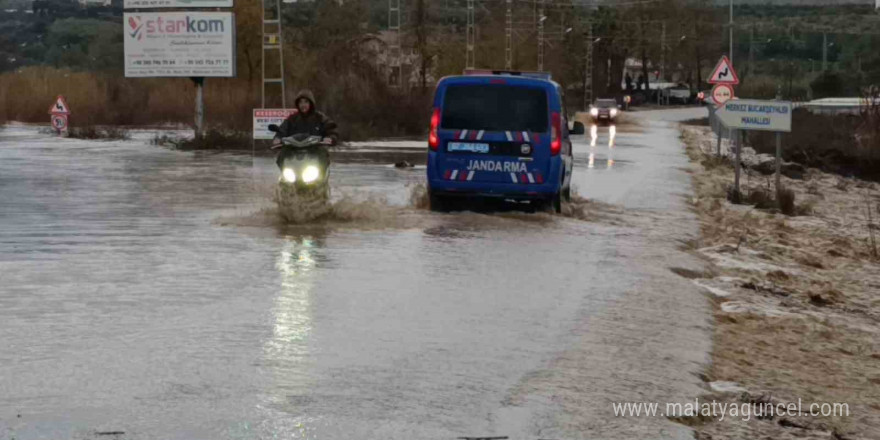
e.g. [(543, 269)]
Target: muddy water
[(155, 293)]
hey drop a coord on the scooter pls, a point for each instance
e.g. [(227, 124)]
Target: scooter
[(304, 162)]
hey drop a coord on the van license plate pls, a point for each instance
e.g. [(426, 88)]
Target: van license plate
[(468, 147)]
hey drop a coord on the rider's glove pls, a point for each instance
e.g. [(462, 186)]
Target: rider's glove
[(327, 141)]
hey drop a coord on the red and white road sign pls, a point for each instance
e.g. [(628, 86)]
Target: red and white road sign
[(724, 73), (722, 93), (60, 107), (59, 123)]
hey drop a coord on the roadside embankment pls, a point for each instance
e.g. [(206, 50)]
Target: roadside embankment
[(797, 297)]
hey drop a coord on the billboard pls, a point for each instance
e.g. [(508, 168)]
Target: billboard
[(134, 4), (179, 44)]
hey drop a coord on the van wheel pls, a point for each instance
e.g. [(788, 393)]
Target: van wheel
[(437, 203), (553, 204), (556, 203)]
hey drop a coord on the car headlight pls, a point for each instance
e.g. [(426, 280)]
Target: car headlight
[(594, 111), (613, 112), (288, 175), (310, 174)]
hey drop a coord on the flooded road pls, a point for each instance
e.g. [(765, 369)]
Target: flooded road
[(155, 294)]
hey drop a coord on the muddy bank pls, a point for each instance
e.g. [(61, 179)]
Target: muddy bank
[(796, 301)]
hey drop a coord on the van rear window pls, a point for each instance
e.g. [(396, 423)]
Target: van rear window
[(495, 108)]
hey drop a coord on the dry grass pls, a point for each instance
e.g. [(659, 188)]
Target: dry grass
[(362, 106), (103, 99), (800, 317), (93, 132)]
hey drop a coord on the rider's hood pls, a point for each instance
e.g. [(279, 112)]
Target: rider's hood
[(306, 93)]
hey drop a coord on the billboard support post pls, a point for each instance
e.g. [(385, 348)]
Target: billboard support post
[(200, 106)]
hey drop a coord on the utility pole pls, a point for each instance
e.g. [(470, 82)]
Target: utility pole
[(749, 71), (824, 51), (471, 35), (588, 69), (541, 19), (508, 36), (663, 53), (273, 43), (395, 79), (730, 54)]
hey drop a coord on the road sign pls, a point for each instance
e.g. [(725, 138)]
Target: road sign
[(60, 107), (59, 123), (724, 73), (265, 117), (749, 114), (722, 93)]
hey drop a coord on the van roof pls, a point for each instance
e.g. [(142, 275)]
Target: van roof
[(485, 72), (483, 77)]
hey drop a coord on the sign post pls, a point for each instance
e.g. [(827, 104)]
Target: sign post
[(749, 114), (778, 163), (724, 77), (60, 112)]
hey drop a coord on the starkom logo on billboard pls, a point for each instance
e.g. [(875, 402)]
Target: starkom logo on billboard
[(158, 25)]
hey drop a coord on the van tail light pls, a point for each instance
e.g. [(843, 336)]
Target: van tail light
[(555, 134), (433, 140)]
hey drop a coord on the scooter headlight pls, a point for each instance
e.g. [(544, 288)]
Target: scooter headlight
[(594, 111), (310, 174), (288, 175)]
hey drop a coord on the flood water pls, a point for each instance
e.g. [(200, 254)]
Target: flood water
[(155, 294)]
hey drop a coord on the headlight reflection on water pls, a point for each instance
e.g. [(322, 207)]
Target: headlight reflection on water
[(293, 305), (612, 133)]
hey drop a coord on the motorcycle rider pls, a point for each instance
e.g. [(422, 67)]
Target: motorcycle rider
[(307, 119)]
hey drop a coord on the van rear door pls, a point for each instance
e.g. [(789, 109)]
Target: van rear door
[(494, 131)]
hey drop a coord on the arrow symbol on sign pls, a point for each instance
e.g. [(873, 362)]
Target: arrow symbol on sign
[(724, 72)]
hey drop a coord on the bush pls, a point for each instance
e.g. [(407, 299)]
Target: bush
[(211, 140), (828, 84), (825, 142), (760, 198), (767, 87), (92, 132), (785, 201)]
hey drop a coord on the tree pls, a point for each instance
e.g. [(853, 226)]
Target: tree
[(249, 37), (85, 44)]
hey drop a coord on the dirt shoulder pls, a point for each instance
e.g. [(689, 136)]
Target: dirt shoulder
[(797, 302)]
